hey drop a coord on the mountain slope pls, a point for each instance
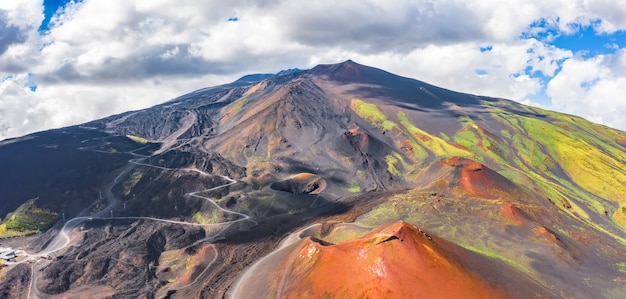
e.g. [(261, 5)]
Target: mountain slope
[(242, 165), (391, 261)]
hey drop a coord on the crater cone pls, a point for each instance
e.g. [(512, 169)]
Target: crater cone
[(302, 183), (397, 261)]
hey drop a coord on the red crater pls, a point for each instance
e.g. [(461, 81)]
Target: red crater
[(513, 214), (398, 261), (358, 139), (478, 180), (302, 183), (548, 235)]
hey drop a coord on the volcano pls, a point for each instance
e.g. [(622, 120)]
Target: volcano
[(341, 180), (391, 261)]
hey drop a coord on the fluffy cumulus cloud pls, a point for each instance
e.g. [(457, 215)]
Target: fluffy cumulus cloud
[(592, 88), (95, 57)]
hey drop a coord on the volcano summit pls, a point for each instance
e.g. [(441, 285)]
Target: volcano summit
[(339, 181)]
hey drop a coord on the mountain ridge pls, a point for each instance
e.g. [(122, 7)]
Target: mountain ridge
[(323, 152)]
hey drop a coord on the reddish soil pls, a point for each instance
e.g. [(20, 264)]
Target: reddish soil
[(304, 176), (548, 236), (359, 138), (406, 147), (397, 261), (302, 123), (302, 183), (200, 262), (513, 214), (477, 180)]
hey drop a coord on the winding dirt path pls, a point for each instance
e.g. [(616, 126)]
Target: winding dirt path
[(63, 238)]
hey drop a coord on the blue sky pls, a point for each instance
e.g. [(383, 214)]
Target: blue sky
[(64, 63), (589, 43), (50, 7)]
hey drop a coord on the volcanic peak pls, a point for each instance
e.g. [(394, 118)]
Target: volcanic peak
[(475, 179), (396, 261), (352, 72)]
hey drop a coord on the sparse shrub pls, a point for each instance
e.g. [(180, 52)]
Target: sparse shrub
[(26, 219), (131, 182)]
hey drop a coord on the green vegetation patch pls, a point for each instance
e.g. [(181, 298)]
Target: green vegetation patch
[(589, 155), (620, 217), (533, 154), (128, 185), (466, 138), (419, 153), (438, 146), (353, 187), (237, 105), (137, 139), (206, 218), (587, 164), (506, 134), (490, 253), (404, 206), (621, 267), (27, 219), (343, 233), (372, 114), (483, 143), (392, 164)]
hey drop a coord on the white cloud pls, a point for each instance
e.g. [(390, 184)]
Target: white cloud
[(23, 14), (592, 88), (21, 19), (102, 57), (455, 66), (611, 12), (23, 111), (530, 102)]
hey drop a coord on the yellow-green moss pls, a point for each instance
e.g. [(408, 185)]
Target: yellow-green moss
[(620, 217), (237, 105), (589, 154), (436, 145), (392, 164), (27, 219), (137, 139), (419, 153), (466, 138), (132, 181), (206, 218), (490, 253), (353, 187), (372, 114), (587, 165), (621, 267), (506, 134)]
